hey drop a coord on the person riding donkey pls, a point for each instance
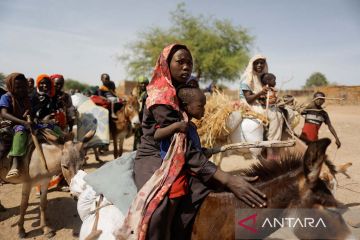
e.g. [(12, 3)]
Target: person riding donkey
[(66, 110), (159, 210), (107, 90), (254, 93), (15, 106), (141, 94), (45, 110)]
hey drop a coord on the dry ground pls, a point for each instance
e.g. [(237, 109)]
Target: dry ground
[(62, 214)]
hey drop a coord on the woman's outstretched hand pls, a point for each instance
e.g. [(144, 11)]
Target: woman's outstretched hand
[(242, 189)]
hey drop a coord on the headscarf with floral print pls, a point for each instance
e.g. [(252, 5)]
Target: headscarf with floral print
[(161, 89)]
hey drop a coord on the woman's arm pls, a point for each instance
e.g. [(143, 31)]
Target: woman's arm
[(170, 130), (205, 170), (250, 97), (8, 116), (241, 187)]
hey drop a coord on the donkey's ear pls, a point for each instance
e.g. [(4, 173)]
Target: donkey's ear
[(86, 139), (314, 157), (88, 136)]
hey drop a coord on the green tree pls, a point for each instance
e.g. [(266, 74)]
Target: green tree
[(220, 50), (315, 80), (74, 84)]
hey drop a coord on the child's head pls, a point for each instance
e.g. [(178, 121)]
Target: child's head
[(268, 79), (192, 101), (193, 82), (17, 84), (319, 98)]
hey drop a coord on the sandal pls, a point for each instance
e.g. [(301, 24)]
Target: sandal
[(12, 173)]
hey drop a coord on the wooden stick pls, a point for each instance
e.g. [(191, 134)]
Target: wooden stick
[(267, 102), (37, 144), (259, 144), (328, 98)]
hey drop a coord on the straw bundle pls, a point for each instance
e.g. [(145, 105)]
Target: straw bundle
[(212, 127)]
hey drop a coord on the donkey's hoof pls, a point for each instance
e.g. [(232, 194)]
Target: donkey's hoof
[(22, 233)]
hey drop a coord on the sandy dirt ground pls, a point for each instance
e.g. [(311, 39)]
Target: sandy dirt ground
[(62, 214)]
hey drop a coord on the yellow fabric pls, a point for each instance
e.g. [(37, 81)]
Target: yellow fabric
[(104, 88)]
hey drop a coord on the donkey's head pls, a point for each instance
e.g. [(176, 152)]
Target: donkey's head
[(313, 193), (131, 110), (313, 190), (73, 154)]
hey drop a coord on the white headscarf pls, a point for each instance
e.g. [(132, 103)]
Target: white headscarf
[(251, 77)]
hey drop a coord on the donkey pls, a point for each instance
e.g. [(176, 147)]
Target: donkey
[(292, 182), (127, 118), (66, 158)]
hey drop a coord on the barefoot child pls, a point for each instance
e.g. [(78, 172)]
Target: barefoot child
[(14, 106), (315, 115)]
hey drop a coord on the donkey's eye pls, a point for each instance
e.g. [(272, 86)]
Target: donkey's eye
[(65, 166)]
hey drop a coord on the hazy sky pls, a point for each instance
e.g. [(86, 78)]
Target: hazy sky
[(82, 38)]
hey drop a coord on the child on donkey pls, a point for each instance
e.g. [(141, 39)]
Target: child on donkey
[(315, 115), (14, 106), (273, 112), (171, 190), (192, 101)]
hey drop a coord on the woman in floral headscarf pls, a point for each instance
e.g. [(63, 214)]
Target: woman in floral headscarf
[(167, 192), (253, 92)]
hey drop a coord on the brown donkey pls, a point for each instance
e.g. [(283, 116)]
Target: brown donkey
[(292, 183), (127, 118), (66, 158)]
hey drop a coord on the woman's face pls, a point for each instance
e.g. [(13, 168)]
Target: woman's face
[(59, 83), (44, 85), (259, 65), (181, 66), (20, 88)]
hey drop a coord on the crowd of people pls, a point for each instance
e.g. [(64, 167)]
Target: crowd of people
[(170, 159)]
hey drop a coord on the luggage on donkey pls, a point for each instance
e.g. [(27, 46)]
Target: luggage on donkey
[(114, 181)]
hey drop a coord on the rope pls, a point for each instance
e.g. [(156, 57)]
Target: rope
[(288, 126), (335, 154)]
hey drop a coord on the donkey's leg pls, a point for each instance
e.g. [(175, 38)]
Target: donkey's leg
[(47, 231), (121, 143), (26, 188), (115, 145), (96, 153)]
